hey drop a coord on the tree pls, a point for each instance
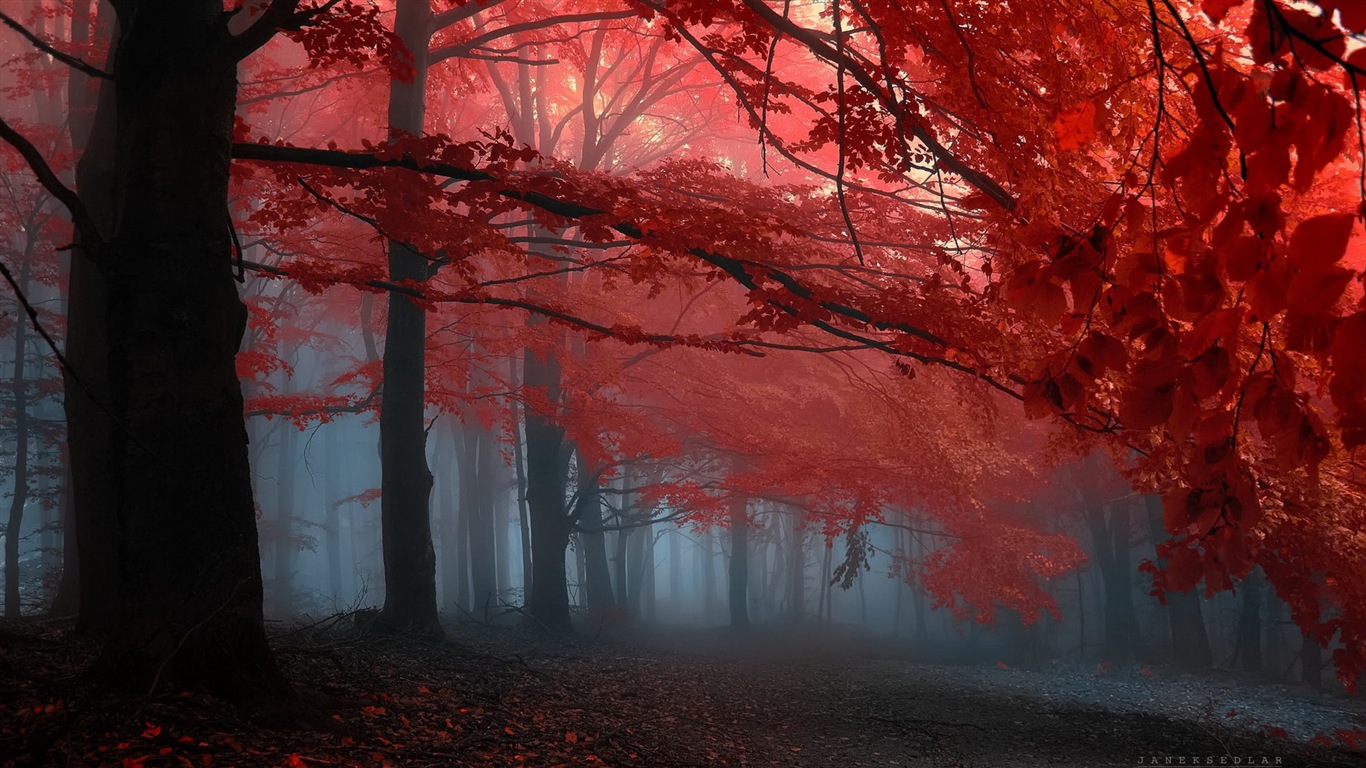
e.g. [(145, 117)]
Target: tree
[(1136, 287), (189, 585)]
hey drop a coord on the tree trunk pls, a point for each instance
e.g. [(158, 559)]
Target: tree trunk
[(87, 401), (519, 465), (460, 555), (1311, 662), (67, 600), (1190, 646), (1249, 651), (452, 558), (545, 471), (282, 585), (738, 581), (19, 496), (1110, 540), (406, 482), (622, 571), (796, 574), (332, 513), (598, 578), (483, 565), (189, 579), (706, 556)]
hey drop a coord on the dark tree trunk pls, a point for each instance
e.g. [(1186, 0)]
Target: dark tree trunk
[(87, 401), (498, 480), (1249, 651), (647, 577), (597, 577), (483, 563), (189, 581), (707, 557), (406, 482), (1110, 540), (453, 558), (519, 467), (622, 569), (738, 581), (796, 570), (67, 600), (675, 568), (1311, 662), (1190, 647), (19, 496), (332, 513), (545, 471), (282, 584)]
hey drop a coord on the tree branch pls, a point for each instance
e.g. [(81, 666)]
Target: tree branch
[(66, 58), (64, 194)]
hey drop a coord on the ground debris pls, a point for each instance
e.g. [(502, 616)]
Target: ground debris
[(514, 697)]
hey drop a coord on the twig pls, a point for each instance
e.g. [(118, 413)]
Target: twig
[(65, 58)]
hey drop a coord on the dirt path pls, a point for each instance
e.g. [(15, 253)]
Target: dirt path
[(506, 697)]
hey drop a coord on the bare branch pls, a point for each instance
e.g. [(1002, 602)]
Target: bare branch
[(66, 58), (68, 197)]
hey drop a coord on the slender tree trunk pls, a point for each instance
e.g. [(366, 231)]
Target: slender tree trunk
[(598, 578), (519, 464), (796, 578), (1311, 662), (1110, 540), (922, 629), (620, 567), (282, 585), (467, 495), (546, 465), (189, 579), (675, 568), (1190, 647), (406, 484), (647, 580), (452, 557), (738, 581), (332, 513), (1249, 651), (483, 566), (499, 511), (19, 496), (707, 559), (823, 609)]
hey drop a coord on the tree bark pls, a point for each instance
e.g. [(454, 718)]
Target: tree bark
[(332, 513), (1311, 662), (597, 577), (87, 402), (189, 579), (19, 495), (67, 600), (1190, 646), (482, 549), (1110, 540), (282, 583), (1249, 651), (406, 481), (546, 465), (738, 581), (519, 467)]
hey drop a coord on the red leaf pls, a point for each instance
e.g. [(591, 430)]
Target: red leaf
[(1216, 10), (1076, 127)]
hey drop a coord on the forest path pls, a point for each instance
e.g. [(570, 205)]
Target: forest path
[(516, 697), (795, 699)]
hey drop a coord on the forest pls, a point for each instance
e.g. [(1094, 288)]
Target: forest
[(682, 382)]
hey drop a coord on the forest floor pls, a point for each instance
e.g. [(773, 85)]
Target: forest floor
[(769, 697)]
